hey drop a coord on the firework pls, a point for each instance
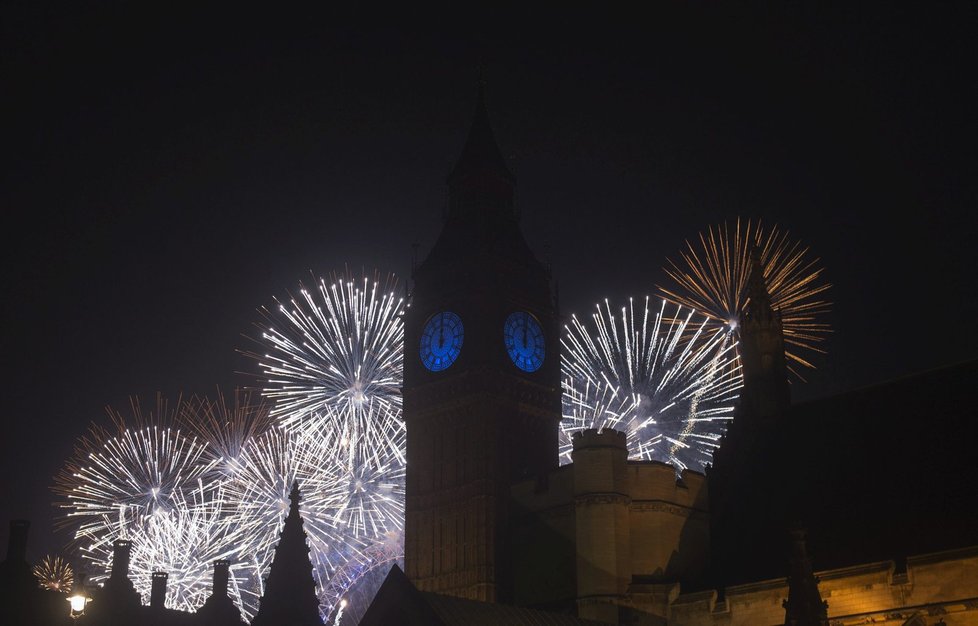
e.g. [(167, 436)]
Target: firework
[(337, 346), (712, 278), (227, 424), (333, 370), (54, 574), (666, 379), (141, 463), (145, 480), (258, 493), (352, 587), (183, 539)]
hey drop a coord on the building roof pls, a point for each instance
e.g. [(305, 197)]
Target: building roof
[(874, 474), (461, 612), (480, 153), (398, 601)]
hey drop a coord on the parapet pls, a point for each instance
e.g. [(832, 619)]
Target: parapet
[(594, 438)]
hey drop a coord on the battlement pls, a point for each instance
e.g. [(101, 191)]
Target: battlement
[(606, 520), (594, 438)]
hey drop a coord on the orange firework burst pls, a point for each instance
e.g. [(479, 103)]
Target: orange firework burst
[(54, 574), (712, 278), (226, 422)]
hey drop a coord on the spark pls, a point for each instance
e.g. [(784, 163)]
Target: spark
[(666, 379), (54, 574), (227, 424), (338, 346), (711, 276), (145, 479), (140, 463), (332, 365)]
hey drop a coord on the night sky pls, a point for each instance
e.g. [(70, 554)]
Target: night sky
[(168, 172)]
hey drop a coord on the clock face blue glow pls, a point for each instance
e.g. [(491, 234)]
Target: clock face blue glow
[(441, 341), (524, 341)]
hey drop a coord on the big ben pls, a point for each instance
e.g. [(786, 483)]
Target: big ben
[(481, 380)]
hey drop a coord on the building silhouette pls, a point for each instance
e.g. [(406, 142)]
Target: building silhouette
[(494, 523), (475, 422), (290, 591)]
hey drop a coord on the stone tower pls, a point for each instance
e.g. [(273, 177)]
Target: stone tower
[(290, 591), (601, 509), (481, 380)]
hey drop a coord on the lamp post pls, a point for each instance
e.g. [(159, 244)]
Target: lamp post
[(78, 602)]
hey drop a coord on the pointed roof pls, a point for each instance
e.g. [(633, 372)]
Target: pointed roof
[(290, 591), (481, 154), (759, 306), (804, 606)]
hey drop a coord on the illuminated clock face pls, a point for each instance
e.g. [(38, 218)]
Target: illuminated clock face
[(441, 341), (524, 341)]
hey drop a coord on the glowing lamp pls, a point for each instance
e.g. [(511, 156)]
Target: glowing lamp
[(78, 602)]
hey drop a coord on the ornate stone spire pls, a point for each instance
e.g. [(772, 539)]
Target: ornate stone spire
[(766, 392), (290, 591), (759, 305), (804, 606)]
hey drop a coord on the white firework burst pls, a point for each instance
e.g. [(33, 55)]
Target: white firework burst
[(668, 381), (339, 347), (333, 370), (257, 496)]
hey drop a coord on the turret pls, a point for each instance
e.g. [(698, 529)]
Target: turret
[(766, 392), (17, 542), (18, 585), (218, 609), (157, 594), (804, 606), (121, 555), (601, 502), (118, 601)]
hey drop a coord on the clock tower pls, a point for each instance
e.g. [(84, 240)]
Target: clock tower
[(481, 380)]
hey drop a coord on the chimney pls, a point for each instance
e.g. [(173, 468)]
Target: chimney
[(220, 587), (17, 542), (121, 549), (157, 597)]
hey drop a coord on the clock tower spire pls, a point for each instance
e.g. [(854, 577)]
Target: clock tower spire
[(481, 182), (481, 380)]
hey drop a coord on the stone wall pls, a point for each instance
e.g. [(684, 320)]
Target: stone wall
[(588, 530), (930, 588)]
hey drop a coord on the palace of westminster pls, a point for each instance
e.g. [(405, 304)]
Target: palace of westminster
[(871, 486)]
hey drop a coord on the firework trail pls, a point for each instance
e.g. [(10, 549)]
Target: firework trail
[(144, 479), (333, 370), (227, 424), (666, 379), (338, 346), (711, 276), (54, 574)]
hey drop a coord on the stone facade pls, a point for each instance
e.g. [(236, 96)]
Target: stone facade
[(594, 529), (930, 589)]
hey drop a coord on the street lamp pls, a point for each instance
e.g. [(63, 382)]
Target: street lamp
[(78, 602)]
